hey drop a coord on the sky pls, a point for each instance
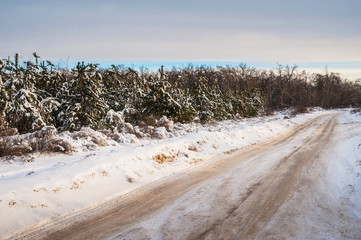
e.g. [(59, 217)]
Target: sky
[(312, 34)]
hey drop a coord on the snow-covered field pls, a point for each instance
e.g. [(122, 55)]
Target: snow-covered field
[(53, 185)]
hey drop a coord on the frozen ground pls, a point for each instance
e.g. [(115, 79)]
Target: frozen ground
[(304, 186), (60, 184)]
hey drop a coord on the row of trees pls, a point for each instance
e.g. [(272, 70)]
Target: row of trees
[(36, 94)]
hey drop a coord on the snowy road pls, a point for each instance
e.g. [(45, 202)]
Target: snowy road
[(278, 189)]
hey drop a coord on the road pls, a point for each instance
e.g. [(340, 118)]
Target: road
[(246, 195)]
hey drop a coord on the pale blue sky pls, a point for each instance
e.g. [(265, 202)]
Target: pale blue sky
[(304, 32)]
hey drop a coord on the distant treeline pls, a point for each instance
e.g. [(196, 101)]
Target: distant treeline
[(37, 94)]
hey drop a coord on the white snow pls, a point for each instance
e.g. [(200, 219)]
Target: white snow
[(52, 185), (344, 170), (331, 208)]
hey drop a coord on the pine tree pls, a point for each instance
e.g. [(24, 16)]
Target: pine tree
[(27, 111), (200, 100), (186, 113), (4, 98), (47, 84), (113, 82), (131, 96), (82, 103)]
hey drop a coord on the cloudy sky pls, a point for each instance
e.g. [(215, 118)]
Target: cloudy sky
[(309, 33)]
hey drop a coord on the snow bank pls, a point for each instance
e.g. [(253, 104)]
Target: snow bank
[(54, 184)]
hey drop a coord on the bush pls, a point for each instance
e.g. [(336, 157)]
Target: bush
[(44, 140), (298, 110)]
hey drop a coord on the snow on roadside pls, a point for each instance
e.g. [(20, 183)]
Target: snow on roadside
[(327, 203), (344, 170), (54, 184)]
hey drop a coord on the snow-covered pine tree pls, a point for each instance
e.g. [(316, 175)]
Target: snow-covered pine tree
[(131, 95), (113, 82), (4, 99), (217, 102), (165, 99), (158, 101), (201, 101), (254, 103), (82, 103), (27, 113), (48, 83), (186, 113)]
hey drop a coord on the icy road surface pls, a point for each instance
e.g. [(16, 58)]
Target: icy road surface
[(304, 184)]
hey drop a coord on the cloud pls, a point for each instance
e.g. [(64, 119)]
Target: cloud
[(260, 30)]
